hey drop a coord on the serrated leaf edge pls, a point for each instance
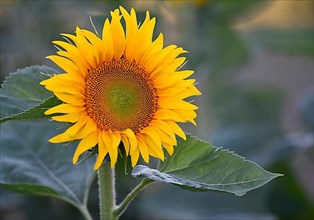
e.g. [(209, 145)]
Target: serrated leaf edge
[(16, 72), (274, 175), (136, 173), (7, 118)]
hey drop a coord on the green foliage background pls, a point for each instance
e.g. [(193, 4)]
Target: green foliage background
[(257, 85)]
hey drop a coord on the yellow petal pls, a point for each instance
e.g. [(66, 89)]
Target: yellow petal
[(118, 34), (177, 129), (132, 34), (154, 145), (169, 148), (77, 60), (179, 93), (85, 144), (167, 114), (72, 90), (163, 126), (63, 79), (193, 122), (108, 40), (186, 114), (70, 78), (155, 47), (194, 90), (77, 127), (84, 55), (112, 141), (143, 149), (129, 133), (177, 84), (71, 99), (127, 138), (63, 108), (70, 117), (156, 59), (87, 50), (134, 157), (98, 46), (90, 127), (152, 133), (133, 145), (172, 103), (67, 46), (61, 138), (165, 138), (168, 70), (102, 152), (126, 144), (146, 34), (185, 73), (66, 64)]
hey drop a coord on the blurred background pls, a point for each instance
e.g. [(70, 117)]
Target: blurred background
[(254, 65)]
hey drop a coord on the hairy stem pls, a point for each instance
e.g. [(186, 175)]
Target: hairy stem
[(107, 193)]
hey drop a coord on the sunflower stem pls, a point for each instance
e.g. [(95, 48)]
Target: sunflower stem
[(107, 193), (128, 199)]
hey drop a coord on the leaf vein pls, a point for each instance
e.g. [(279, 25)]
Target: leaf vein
[(53, 176)]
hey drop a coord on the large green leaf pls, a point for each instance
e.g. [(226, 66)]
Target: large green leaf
[(197, 165), (30, 164), (21, 96)]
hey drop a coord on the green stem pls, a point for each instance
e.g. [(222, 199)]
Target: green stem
[(128, 199), (107, 194), (82, 208), (85, 213)]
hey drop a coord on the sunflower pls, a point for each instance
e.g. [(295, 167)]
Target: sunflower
[(122, 88)]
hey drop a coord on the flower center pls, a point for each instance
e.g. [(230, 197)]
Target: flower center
[(119, 94)]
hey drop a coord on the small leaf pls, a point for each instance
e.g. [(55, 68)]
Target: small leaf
[(30, 164), (21, 96), (197, 165)]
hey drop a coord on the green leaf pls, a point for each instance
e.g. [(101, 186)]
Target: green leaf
[(31, 165), (197, 165), (30, 189), (21, 96), (36, 112)]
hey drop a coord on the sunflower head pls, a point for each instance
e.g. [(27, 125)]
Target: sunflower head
[(121, 89)]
